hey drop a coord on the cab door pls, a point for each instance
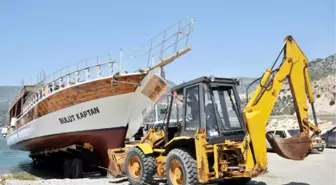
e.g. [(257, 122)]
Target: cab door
[(192, 112)]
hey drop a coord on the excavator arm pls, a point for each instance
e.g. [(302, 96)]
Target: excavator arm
[(294, 68)]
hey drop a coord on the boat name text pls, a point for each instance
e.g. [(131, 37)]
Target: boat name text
[(80, 115)]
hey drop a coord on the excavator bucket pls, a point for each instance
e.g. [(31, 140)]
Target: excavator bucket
[(296, 147)]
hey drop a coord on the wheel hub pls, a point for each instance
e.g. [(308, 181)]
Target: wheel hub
[(176, 173), (134, 167)]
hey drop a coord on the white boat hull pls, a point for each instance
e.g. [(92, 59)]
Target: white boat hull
[(104, 113), (79, 117)]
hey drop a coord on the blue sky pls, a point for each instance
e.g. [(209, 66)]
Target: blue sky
[(231, 38)]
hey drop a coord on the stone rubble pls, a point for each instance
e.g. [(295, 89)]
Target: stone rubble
[(290, 123)]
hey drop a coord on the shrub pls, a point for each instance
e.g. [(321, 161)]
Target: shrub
[(332, 102)]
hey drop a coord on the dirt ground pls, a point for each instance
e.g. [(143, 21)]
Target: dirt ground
[(317, 169)]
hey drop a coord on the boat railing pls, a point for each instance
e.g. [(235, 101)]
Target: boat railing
[(167, 45), (67, 77)]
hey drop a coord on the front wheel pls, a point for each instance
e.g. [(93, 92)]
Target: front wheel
[(139, 167), (181, 168)]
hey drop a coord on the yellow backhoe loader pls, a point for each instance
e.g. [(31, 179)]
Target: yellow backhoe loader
[(213, 139)]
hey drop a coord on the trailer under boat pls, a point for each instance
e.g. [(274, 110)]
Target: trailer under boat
[(93, 108)]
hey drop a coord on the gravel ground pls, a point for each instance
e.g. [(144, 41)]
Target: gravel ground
[(317, 169)]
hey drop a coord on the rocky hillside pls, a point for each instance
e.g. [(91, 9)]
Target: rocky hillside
[(321, 68), (322, 73), (323, 77), (6, 94), (292, 123)]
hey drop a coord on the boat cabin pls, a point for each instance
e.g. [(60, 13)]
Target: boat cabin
[(15, 108)]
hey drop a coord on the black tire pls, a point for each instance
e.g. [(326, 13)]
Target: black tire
[(147, 165), (67, 168), (77, 168), (103, 172), (36, 163), (188, 165), (309, 152), (238, 181), (321, 149), (325, 143)]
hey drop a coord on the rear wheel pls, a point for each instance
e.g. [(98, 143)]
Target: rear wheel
[(77, 168), (140, 168), (35, 163), (181, 168), (325, 144), (67, 168)]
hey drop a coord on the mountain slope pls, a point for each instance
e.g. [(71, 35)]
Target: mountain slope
[(322, 68), (6, 94), (322, 73), (323, 78)]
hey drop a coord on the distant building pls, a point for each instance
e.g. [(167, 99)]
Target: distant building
[(4, 132)]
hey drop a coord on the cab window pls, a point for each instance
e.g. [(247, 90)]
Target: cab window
[(192, 110)]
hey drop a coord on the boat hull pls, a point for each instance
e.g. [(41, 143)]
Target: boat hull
[(101, 139), (98, 113)]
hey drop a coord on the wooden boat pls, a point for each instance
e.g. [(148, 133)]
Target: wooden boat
[(86, 105)]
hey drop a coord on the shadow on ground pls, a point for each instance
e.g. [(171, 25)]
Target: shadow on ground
[(263, 183), (314, 152), (164, 182), (48, 171)]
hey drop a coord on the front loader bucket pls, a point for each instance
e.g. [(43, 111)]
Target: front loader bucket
[(296, 147), (116, 164)]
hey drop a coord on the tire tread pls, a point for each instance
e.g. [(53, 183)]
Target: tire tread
[(188, 162), (148, 165)]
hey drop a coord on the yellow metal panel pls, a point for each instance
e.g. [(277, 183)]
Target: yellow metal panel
[(309, 87), (145, 147), (160, 165), (249, 163), (260, 105), (159, 150), (153, 137), (177, 138), (201, 158), (216, 161)]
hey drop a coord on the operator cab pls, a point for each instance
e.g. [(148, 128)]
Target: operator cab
[(211, 104)]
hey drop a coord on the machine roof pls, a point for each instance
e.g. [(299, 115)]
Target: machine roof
[(205, 79)]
